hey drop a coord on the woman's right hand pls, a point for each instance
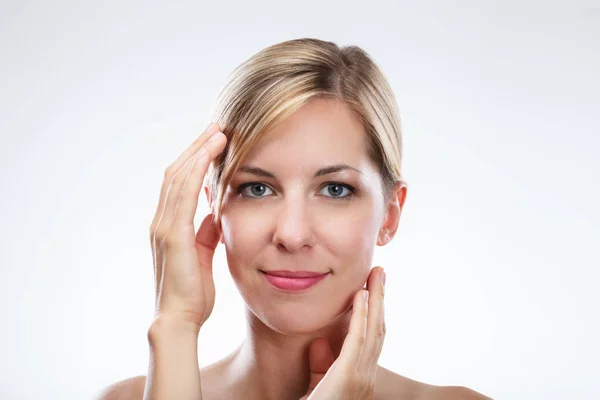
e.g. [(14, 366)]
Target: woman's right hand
[(185, 290)]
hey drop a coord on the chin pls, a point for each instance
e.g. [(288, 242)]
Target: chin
[(298, 317), (296, 322)]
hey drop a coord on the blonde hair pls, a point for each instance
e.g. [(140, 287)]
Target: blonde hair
[(278, 80)]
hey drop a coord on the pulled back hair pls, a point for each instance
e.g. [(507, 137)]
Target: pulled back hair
[(278, 80)]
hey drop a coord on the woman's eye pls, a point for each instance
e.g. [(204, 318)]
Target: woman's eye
[(336, 190), (256, 190)]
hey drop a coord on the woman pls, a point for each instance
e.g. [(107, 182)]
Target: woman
[(304, 179)]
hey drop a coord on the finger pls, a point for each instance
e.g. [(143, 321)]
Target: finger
[(355, 339), (165, 219), (177, 193), (187, 200), (211, 129), (176, 166), (320, 359), (375, 322), (182, 201)]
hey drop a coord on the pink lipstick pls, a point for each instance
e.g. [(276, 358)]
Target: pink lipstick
[(294, 281)]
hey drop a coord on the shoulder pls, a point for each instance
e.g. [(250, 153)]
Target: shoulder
[(452, 393), (127, 389), (133, 388), (390, 385)]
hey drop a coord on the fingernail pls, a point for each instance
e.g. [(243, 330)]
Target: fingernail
[(215, 136), (365, 295), (383, 277)]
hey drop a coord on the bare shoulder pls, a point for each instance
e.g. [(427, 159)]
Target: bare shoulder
[(127, 389), (390, 385), (452, 393), (133, 388)]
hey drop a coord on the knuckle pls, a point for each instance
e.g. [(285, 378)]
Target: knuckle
[(183, 195), (177, 237), (160, 236), (362, 339), (153, 239), (170, 242), (169, 171), (176, 178), (381, 331), (209, 153)]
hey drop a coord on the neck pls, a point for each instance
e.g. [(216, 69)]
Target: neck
[(274, 365)]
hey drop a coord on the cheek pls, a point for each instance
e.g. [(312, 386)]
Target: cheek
[(242, 224), (354, 232), (242, 237), (245, 237), (349, 235), (352, 243)]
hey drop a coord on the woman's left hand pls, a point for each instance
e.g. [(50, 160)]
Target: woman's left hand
[(352, 374)]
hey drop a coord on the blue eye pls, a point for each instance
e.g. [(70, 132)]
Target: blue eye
[(336, 189), (254, 193)]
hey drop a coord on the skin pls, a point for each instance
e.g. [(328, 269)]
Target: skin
[(296, 221)]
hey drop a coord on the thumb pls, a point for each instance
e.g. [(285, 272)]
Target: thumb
[(207, 239), (320, 359)]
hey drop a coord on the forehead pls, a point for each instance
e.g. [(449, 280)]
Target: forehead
[(324, 131)]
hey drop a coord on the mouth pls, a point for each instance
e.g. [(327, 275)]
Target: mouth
[(294, 281)]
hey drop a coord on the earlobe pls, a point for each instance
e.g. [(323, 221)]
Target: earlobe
[(384, 237)]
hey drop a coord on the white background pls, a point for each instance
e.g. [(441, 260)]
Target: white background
[(493, 276)]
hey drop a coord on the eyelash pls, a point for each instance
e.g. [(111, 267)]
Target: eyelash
[(349, 187)]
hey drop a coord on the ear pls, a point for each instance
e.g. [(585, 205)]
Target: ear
[(394, 207), (210, 205), (208, 197)]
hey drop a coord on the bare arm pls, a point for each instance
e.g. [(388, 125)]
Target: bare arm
[(184, 286), (173, 371)]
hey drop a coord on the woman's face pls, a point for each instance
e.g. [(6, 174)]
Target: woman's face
[(281, 213)]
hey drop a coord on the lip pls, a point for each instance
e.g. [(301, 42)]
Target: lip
[(294, 281)]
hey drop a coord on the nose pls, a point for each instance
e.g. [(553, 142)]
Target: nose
[(293, 231)]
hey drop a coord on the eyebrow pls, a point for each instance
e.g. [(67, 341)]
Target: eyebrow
[(323, 171)]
